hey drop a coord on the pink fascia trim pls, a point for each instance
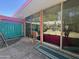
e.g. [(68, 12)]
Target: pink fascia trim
[(11, 19), (22, 7)]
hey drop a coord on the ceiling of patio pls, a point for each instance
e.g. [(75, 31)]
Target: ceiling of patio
[(35, 6)]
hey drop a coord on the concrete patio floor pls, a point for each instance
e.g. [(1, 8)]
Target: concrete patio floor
[(23, 49)]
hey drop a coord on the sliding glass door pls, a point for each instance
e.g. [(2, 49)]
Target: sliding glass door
[(71, 26), (52, 25)]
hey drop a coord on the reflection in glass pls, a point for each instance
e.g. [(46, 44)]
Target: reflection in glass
[(71, 26), (52, 25)]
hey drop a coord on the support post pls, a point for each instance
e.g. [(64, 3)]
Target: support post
[(61, 37), (31, 24), (24, 28), (41, 27)]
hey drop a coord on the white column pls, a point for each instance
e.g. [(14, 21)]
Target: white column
[(61, 37)]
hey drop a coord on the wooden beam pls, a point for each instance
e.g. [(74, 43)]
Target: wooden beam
[(41, 27)]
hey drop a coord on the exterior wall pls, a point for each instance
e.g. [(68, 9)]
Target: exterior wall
[(70, 18), (53, 30), (10, 28)]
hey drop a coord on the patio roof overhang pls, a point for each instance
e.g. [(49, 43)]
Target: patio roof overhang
[(34, 6)]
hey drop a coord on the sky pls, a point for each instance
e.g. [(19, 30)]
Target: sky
[(9, 7)]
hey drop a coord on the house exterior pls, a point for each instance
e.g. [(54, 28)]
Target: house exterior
[(49, 19)]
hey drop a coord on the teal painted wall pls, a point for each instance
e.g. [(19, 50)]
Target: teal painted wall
[(11, 29)]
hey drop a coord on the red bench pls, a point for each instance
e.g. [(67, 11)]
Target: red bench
[(55, 39)]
